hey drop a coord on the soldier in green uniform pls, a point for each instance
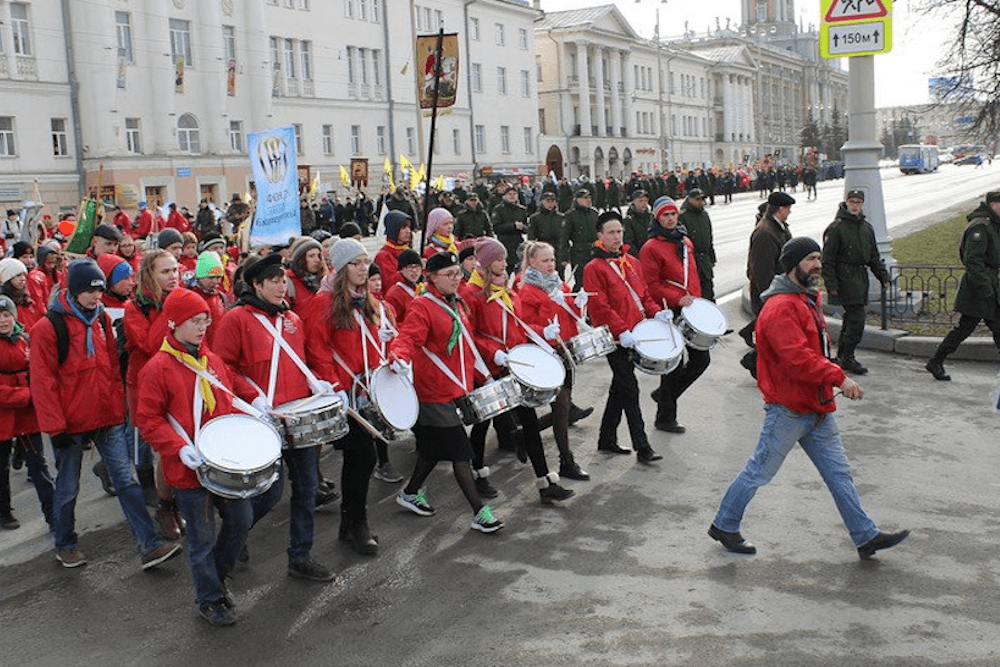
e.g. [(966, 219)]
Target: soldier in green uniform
[(565, 194), (695, 219), (636, 223), (581, 230), (979, 292), (472, 221), (549, 225), (849, 250), (510, 220)]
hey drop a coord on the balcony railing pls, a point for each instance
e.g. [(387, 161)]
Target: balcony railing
[(26, 68)]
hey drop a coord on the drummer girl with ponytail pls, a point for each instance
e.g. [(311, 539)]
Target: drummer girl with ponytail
[(343, 329)]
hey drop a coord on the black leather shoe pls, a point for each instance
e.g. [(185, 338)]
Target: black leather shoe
[(851, 365), (881, 541), (732, 541), (670, 427), (647, 455), (655, 395), (613, 448), (749, 362), (936, 369), (746, 333), (577, 413)]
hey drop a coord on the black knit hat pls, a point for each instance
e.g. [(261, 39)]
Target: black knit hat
[(407, 258), (795, 251), (84, 275), (168, 237)]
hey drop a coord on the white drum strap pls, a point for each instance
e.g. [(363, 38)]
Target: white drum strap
[(366, 335), (480, 364), (242, 405), (535, 338), (272, 376), (180, 430), (296, 359), (406, 288), (347, 369), (447, 371), (683, 286), (631, 290)]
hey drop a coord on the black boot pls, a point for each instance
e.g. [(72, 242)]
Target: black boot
[(354, 530), (569, 468), (936, 368), (576, 413)]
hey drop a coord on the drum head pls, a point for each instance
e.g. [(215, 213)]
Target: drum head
[(658, 340), (706, 317), (309, 404), (535, 367), (396, 398), (239, 443)]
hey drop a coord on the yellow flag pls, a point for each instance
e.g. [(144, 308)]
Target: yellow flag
[(387, 167), (405, 164), (414, 178), (315, 186), (344, 177), (247, 198), (439, 183)]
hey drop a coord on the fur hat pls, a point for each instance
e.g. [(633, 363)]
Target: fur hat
[(441, 260)]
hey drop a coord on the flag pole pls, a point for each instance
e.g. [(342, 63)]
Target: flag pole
[(430, 149)]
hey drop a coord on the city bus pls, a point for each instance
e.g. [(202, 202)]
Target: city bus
[(918, 158)]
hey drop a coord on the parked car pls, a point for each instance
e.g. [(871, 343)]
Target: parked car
[(970, 159)]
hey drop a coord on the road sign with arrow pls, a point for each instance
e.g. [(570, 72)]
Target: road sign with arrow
[(855, 28)]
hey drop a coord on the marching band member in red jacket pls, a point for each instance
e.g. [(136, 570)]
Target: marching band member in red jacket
[(47, 274), (440, 224), (80, 400), (169, 382), (305, 273), (400, 295), (143, 224), (437, 329), (671, 275), (620, 301)]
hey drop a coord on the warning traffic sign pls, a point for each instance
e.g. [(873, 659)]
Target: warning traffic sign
[(855, 10)]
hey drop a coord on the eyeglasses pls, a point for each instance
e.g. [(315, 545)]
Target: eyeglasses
[(457, 273), (201, 322)]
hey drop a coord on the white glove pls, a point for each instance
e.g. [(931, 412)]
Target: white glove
[(260, 404), (557, 295), (324, 387), (400, 367), (344, 398), (551, 332), (626, 339), (665, 315), (190, 457), (386, 334), (500, 358), (581, 300)]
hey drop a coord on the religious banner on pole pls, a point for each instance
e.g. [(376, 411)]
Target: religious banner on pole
[(179, 76), (275, 172), (359, 172), (231, 79), (447, 70)]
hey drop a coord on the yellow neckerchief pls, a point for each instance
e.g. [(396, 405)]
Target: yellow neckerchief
[(476, 279), (227, 284), (199, 364), (396, 246), (446, 242), (622, 259), (497, 291)]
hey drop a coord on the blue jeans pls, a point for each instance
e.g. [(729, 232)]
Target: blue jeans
[(301, 470), (212, 557), (110, 442), (819, 436), (144, 460), (34, 460)]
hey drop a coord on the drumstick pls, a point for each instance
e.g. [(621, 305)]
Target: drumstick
[(366, 425), (519, 362)]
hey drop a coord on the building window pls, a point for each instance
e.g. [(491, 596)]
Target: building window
[(376, 67), (123, 30), (529, 141), (60, 140), (236, 135), (363, 65), (474, 28), (188, 134), (352, 77), (180, 41), (525, 83), (328, 140), (411, 141), (380, 140), (538, 69), (228, 43), (297, 130), (363, 10), (504, 139), (499, 33), (133, 142), (376, 11), (456, 141), (21, 29), (522, 39), (349, 9), (7, 147), (477, 78), (289, 63), (541, 121), (480, 138), (501, 80), (305, 57)]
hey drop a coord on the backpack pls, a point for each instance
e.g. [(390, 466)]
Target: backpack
[(62, 332)]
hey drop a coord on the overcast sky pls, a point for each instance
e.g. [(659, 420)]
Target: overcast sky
[(900, 76)]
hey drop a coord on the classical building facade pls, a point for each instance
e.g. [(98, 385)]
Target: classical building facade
[(154, 99)]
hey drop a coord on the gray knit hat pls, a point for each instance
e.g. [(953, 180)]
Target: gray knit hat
[(302, 245), (6, 303), (345, 251)]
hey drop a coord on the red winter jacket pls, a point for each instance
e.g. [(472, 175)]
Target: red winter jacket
[(168, 387), (661, 263), (428, 325), (30, 312), (539, 309), (177, 220), (299, 295), (400, 296), (612, 304), (84, 393), (791, 369), (245, 346), (144, 333), (40, 286), (17, 414), (143, 224), (488, 327), (387, 259), (323, 338)]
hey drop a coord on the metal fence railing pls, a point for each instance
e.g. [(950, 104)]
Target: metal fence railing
[(921, 298)]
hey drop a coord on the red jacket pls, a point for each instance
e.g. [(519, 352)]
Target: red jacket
[(245, 346), (216, 308), (791, 369), (428, 325), (539, 309), (84, 393), (323, 338), (488, 327), (299, 295), (143, 224), (29, 313), (387, 259), (168, 388), (399, 296), (40, 285), (177, 220), (612, 304), (17, 414), (661, 263), (187, 265), (144, 333), (123, 222)]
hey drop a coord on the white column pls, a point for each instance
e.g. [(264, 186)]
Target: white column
[(584, 77), (628, 110), (599, 84), (615, 61)]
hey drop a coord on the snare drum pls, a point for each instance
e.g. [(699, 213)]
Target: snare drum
[(392, 402), (702, 324), (313, 420), (540, 374), (586, 345), (658, 347), (242, 456), (490, 400)]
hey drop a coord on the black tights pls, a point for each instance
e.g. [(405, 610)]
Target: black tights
[(463, 475)]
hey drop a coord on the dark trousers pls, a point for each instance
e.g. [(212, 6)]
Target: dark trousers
[(34, 458), (966, 325), (623, 397), (851, 330), (672, 385)]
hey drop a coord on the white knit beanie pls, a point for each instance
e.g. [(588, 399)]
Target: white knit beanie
[(345, 251)]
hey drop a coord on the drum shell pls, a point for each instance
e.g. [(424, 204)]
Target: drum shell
[(591, 344), (654, 366), (490, 400), (694, 338), (667, 357), (234, 482), (373, 416), (307, 428), (537, 398), (706, 313)]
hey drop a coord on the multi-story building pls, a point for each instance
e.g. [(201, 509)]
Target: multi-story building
[(155, 99)]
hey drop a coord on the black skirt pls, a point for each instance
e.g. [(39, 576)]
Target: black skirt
[(448, 443)]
